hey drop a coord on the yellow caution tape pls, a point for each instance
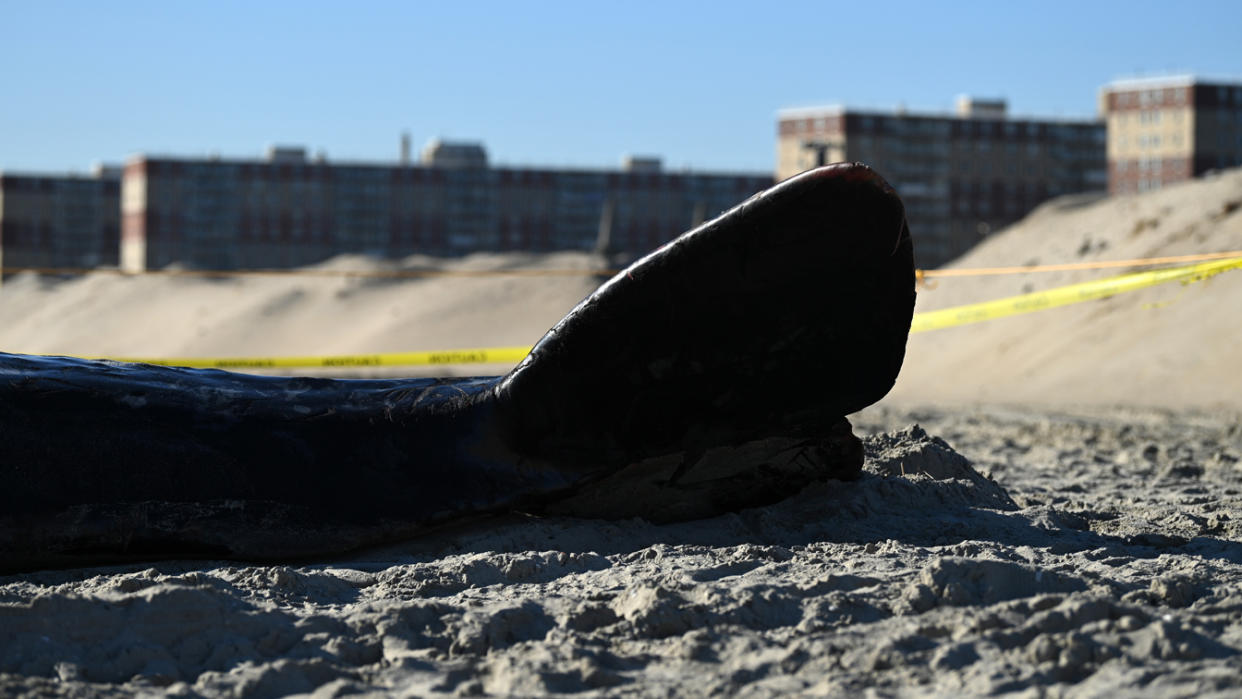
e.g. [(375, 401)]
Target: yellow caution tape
[(931, 320), (490, 355), (1069, 266), (430, 272), (1065, 295)]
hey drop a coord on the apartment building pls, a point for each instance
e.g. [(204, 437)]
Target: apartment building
[(961, 175), (290, 210), (57, 221), (1164, 130)]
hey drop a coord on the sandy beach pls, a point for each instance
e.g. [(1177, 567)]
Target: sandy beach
[(1101, 556), (1051, 506)]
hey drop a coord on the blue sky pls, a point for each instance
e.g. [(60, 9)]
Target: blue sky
[(550, 83)]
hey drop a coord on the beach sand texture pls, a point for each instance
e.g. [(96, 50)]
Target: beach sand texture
[(1167, 346), (1079, 535)]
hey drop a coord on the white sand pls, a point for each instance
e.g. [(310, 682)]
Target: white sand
[(1170, 345), (161, 316), (1105, 558)]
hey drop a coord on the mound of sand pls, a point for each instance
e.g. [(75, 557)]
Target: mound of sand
[(1102, 565), (106, 315), (1170, 345)]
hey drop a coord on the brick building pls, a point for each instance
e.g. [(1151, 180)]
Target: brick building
[(960, 175), (59, 221), (1164, 130), (288, 210)]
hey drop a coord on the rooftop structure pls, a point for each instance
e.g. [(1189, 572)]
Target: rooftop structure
[(454, 155), (642, 163), (960, 175), (976, 108), (1168, 129)]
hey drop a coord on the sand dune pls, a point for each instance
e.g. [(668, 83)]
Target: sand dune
[(1170, 345), (163, 316)]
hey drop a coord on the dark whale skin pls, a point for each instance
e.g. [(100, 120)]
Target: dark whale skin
[(741, 344), (786, 313)]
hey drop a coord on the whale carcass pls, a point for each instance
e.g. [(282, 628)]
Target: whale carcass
[(714, 373)]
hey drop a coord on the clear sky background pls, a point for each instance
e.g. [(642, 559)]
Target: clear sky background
[(551, 83)]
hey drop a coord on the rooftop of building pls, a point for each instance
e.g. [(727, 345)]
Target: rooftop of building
[(1162, 81), (967, 108), (474, 152), (98, 172)]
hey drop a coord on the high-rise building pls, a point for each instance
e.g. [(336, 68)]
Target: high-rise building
[(1164, 130), (960, 175), (59, 221), (288, 210)]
